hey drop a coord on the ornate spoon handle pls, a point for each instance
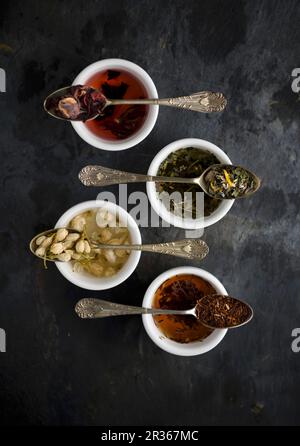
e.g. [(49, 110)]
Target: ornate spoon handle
[(204, 102), (96, 308), (103, 176), (187, 248)]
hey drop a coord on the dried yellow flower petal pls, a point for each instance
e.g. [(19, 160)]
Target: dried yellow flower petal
[(87, 248), (57, 248), (72, 237), (80, 246), (61, 234), (40, 240), (40, 251), (64, 257), (47, 242)]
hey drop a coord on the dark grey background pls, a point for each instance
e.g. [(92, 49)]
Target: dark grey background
[(59, 369)]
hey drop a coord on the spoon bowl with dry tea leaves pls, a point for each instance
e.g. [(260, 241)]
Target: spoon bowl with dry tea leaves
[(220, 311), (214, 311), (228, 182), (60, 245)]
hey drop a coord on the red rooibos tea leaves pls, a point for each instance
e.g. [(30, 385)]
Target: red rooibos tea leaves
[(181, 292), (222, 311)]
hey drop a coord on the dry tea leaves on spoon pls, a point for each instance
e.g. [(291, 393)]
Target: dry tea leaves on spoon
[(222, 311), (80, 103), (230, 182), (62, 245)]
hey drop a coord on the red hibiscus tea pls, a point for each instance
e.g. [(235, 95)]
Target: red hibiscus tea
[(118, 121)]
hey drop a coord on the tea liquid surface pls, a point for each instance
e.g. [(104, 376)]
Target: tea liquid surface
[(118, 121)]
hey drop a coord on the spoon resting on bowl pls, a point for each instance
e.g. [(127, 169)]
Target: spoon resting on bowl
[(213, 311), (221, 181), (84, 103), (65, 244)]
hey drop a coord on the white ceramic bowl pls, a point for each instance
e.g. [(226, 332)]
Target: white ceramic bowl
[(192, 348), (159, 207), (139, 73), (85, 280)]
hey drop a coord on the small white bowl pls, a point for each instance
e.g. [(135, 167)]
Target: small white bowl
[(85, 280), (144, 78), (157, 204), (192, 348)]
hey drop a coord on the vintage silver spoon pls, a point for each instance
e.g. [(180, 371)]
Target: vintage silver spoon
[(90, 308), (103, 176), (186, 248), (204, 101)]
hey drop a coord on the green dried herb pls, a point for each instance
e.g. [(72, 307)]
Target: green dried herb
[(189, 162), (229, 182)]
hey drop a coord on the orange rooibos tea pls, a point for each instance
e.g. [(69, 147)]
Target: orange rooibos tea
[(182, 292)]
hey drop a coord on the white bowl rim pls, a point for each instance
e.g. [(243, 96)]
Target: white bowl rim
[(193, 348), (90, 282), (159, 207), (151, 118)]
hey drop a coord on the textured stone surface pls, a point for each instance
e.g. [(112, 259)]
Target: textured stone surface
[(59, 369)]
